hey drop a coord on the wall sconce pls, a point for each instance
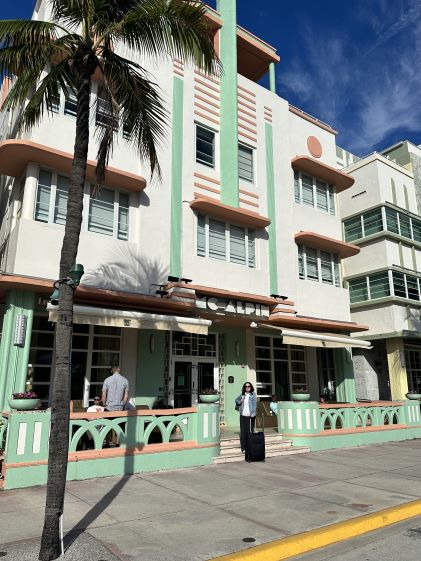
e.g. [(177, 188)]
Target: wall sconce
[(237, 348), (402, 359), (152, 343), (20, 331)]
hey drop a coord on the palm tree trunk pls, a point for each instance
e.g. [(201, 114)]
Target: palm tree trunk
[(60, 409)]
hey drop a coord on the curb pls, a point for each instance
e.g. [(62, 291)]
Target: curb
[(285, 548)]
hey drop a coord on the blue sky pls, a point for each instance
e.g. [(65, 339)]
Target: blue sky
[(355, 64)]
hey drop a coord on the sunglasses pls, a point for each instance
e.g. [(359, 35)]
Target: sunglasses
[(247, 386)]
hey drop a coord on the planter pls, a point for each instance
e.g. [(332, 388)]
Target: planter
[(23, 404), (302, 396), (413, 395), (209, 398)]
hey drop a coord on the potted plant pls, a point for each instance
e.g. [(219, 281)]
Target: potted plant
[(209, 395), (413, 395), (300, 394), (24, 401)]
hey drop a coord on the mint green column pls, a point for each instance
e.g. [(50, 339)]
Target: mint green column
[(235, 366), (272, 77), (298, 417), (344, 373), (177, 178), (229, 117), (270, 186), (150, 367), (14, 360)]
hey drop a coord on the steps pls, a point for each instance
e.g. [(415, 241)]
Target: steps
[(275, 446)]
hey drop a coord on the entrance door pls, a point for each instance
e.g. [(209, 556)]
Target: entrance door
[(188, 379)]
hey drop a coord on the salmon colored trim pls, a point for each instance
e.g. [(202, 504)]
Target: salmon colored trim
[(252, 101), (268, 120), (248, 136), (16, 153), (337, 432), (359, 404), (241, 118), (237, 215), (246, 90), (207, 178), (197, 96), (207, 188), (247, 128), (179, 73), (266, 108), (262, 46), (312, 239), (199, 89), (196, 71), (213, 17), (320, 170), (245, 201), (240, 102), (213, 88), (230, 295), (244, 192), (211, 111), (200, 114), (311, 119), (315, 323), (244, 112), (137, 413)]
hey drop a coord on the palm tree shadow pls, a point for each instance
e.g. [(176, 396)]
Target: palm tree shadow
[(129, 469)]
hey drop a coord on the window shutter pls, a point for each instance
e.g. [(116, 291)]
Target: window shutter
[(123, 217), (201, 236), (311, 263), (62, 194), (245, 162), (322, 194), (101, 212), (307, 188), (251, 249), (237, 245), (326, 267), (42, 207), (297, 187), (205, 146), (217, 248)]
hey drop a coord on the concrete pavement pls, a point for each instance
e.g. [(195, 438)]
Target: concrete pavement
[(200, 513)]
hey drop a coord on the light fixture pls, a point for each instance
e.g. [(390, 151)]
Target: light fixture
[(173, 279), (73, 280), (237, 348), (152, 343), (161, 292), (20, 331), (280, 296), (185, 280)]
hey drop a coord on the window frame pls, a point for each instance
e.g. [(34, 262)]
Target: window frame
[(197, 126), (392, 279), (227, 258), (330, 193), (87, 198), (252, 151), (336, 273)]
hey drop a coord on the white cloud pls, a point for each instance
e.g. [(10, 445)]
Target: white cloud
[(366, 94)]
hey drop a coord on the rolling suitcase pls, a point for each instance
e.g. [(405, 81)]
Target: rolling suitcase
[(255, 446)]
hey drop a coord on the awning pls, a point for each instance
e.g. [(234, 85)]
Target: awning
[(314, 339), (136, 320)]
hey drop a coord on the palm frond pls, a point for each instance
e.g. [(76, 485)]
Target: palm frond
[(29, 32), (179, 29), (140, 105)]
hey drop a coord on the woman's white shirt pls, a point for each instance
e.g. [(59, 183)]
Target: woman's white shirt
[(246, 405)]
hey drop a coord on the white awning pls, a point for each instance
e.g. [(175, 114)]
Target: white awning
[(314, 339), (136, 320)]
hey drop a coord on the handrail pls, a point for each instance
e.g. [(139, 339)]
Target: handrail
[(133, 413)]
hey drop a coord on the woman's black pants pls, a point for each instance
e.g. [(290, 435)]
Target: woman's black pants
[(245, 428)]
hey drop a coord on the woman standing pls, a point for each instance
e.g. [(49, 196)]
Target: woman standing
[(246, 404)]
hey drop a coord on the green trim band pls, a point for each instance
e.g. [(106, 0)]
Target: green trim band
[(177, 178)]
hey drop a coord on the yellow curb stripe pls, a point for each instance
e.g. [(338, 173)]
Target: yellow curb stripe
[(322, 537)]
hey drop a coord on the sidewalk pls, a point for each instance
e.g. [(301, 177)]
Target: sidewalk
[(200, 513)]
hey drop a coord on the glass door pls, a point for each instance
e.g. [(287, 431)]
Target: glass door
[(206, 376), (182, 376)]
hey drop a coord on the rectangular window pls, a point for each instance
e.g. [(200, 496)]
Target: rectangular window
[(353, 229), (62, 194), (245, 163), (101, 211), (307, 190), (332, 199), (70, 104), (358, 291), (42, 206), (405, 225), (416, 230), (226, 242), (123, 216), (379, 285), (319, 266), (392, 220), (322, 196), (373, 222), (412, 287), (103, 108), (297, 187), (205, 146), (399, 287)]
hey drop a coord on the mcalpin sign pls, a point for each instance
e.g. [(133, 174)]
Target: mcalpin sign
[(212, 304)]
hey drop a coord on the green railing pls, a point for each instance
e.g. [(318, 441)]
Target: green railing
[(111, 443)]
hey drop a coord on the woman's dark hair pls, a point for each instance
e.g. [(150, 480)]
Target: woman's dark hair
[(243, 391)]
